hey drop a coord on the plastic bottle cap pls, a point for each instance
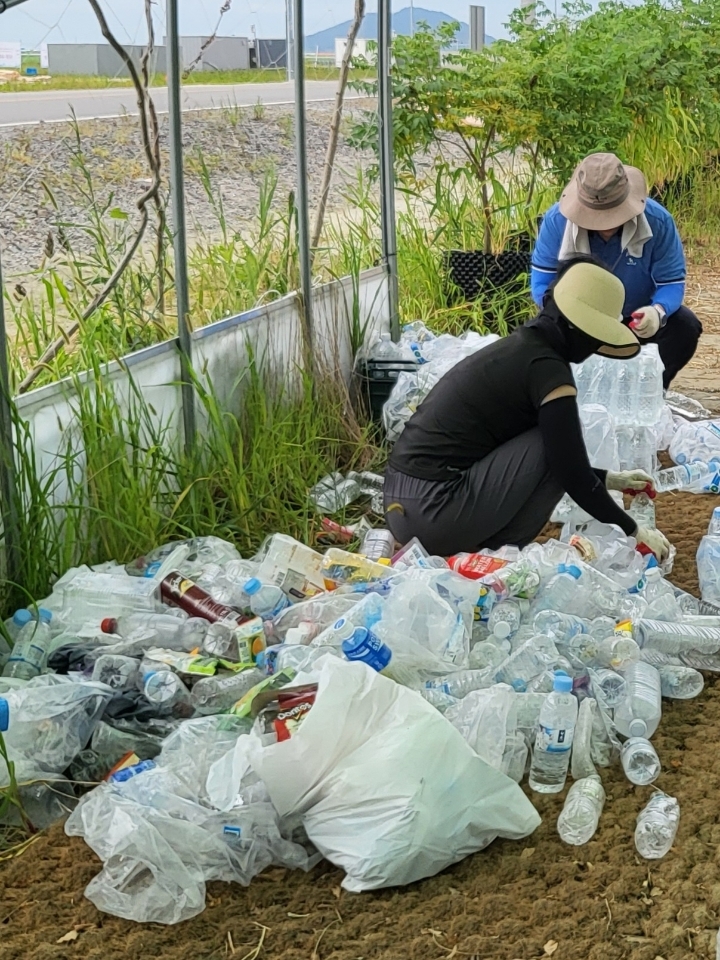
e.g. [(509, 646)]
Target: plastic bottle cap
[(21, 617), (562, 683), (4, 714), (574, 571), (502, 630), (638, 728), (44, 616), (343, 629), (252, 586), (109, 625)]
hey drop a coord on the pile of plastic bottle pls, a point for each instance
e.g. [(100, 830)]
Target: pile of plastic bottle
[(549, 660)]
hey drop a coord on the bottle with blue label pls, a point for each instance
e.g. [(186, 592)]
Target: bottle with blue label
[(30, 650), (358, 643), (553, 741)]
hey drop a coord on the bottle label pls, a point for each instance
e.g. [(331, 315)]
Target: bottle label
[(553, 739)]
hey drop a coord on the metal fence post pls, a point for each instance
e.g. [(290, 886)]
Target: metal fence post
[(387, 161), (177, 190), (301, 192)]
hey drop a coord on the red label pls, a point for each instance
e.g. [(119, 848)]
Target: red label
[(475, 566)]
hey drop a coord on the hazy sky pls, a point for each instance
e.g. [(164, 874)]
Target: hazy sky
[(72, 21)]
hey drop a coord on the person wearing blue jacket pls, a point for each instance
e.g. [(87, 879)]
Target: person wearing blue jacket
[(605, 212)]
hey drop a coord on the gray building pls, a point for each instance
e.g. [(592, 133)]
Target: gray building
[(271, 53), (223, 53), (98, 59)]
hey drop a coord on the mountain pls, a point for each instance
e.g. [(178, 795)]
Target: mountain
[(324, 40)]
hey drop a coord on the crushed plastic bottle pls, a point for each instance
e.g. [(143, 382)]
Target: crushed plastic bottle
[(378, 545), (680, 683), (640, 761), (581, 811), (657, 825), (505, 619)]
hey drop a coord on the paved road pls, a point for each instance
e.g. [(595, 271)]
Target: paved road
[(52, 106)]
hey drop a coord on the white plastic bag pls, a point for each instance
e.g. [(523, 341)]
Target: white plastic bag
[(387, 789), (485, 719)]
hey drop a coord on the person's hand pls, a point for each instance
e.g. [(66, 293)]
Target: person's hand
[(629, 480), (655, 541), (645, 322)]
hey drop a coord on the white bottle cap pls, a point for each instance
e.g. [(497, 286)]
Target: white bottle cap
[(501, 630), (638, 728)]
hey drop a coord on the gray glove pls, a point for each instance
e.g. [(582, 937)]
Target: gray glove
[(655, 540), (628, 480)]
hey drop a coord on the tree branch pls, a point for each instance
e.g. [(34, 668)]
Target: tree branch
[(331, 151), (150, 139), (223, 10)]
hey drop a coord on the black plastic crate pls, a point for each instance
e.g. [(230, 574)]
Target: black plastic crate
[(378, 377), (476, 273)]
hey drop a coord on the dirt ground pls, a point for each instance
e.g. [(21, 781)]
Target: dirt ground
[(515, 901)]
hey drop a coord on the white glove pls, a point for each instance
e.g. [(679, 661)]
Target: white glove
[(628, 480), (655, 540), (646, 322)]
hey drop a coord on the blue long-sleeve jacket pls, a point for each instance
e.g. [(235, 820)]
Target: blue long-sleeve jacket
[(658, 277)]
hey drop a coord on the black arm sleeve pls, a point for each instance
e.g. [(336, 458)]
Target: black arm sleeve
[(568, 461)]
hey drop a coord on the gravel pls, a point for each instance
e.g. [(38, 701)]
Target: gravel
[(42, 186)]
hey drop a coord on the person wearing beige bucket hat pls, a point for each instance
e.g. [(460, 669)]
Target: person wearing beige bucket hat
[(492, 448), (605, 211)]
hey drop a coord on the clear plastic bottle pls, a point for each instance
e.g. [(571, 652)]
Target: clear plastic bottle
[(378, 545), (640, 761), (642, 510), (612, 685), (505, 619), (684, 475), (459, 684), (29, 653), (384, 348), (160, 629), (650, 396), (333, 494), (488, 653), (168, 694), (15, 623), (617, 652), (561, 593), (657, 825), (676, 638), (639, 713), (530, 659), (714, 525), (563, 626), (266, 600), (217, 694), (88, 597), (627, 390), (553, 742), (708, 565), (581, 811), (117, 671), (680, 683)]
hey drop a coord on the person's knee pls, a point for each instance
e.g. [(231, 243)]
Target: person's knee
[(688, 322)]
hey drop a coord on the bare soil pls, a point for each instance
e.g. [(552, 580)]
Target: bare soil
[(514, 901)]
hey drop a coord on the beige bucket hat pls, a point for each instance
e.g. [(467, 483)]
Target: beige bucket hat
[(604, 193), (591, 299)]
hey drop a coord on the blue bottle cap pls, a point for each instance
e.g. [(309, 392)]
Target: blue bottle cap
[(21, 617), (122, 775), (4, 714), (570, 569), (44, 616), (562, 682), (252, 586)]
